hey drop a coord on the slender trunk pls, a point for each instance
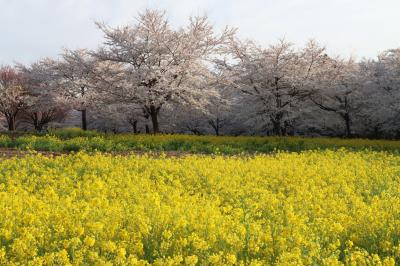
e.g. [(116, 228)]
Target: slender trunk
[(277, 117), (84, 121), (217, 127), (347, 120), (147, 129), (154, 121), (346, 117), (154, 118), (39, 127), (196, 132), (134, 127), (36, 125), (35, 120), (11, 123), (277, 128), (83, 111), (277, 125), (11, 120)]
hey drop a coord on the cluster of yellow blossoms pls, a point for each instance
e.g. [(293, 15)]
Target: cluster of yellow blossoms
[(309, 208)]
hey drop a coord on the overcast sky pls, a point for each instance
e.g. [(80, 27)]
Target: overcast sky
[(31, 29)]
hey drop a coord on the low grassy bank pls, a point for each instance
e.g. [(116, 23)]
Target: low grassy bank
[(75, 140)]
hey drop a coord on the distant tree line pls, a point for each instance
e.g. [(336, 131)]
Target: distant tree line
[(151, 77)]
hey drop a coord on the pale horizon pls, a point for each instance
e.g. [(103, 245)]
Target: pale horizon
[(32, 30)]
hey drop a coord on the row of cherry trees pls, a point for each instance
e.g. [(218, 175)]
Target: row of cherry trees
[(149, 76)]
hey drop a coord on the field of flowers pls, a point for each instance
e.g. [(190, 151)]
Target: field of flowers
[(308, 208), (77, 140)]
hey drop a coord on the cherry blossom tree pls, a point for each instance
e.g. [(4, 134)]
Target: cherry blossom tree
[(78, 75), (12, 95), (44, 104), (340, 91), (219, 110), (381, 94), (162, 65), (387, 79), (192, 79), (276, 79)]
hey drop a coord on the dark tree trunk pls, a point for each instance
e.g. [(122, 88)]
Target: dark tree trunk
[(84, 121), (346, 117), (83, 111), (154, 118), (277, 125), (154, 121), (147, 129), (11, 118), (134, 127), (277, 128), (196, 132), (347, 120), (11, 123), (216, 125), (277, 117), (39, 127), (133, 122), (36, 124)]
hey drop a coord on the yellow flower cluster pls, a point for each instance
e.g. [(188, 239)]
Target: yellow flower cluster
[(310, 208)]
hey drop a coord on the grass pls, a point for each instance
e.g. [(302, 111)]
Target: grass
[(78, 140)]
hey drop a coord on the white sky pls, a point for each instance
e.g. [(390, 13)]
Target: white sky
[(31, 29)]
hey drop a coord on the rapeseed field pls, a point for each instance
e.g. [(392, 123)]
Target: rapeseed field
[(309, 208)]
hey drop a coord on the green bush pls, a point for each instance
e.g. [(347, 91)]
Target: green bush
[(73, 132), (76, 139)]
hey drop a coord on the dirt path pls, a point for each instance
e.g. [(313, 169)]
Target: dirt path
[(9, 153)]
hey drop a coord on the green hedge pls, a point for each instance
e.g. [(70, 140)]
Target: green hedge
[(75, 140)]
